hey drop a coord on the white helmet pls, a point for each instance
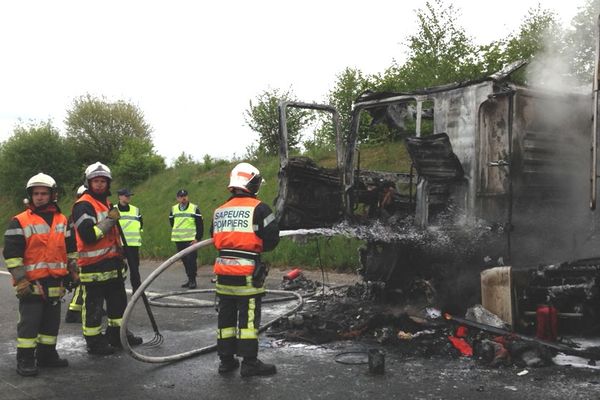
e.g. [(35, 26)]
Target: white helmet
[(42, 180), (80, 190), (246, 177), (97, 169)]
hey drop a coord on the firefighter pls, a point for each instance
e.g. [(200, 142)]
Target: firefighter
[(39, 252), (132, 226), (102, 270), (187, 229), (242, 229), (73, 314)]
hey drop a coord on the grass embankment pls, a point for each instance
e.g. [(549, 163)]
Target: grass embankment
[(208, 189)]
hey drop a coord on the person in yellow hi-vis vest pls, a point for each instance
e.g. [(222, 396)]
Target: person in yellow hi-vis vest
[(132, 226), (187, 228)]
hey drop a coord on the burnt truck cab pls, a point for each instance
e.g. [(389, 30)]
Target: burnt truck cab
[(502, 162)]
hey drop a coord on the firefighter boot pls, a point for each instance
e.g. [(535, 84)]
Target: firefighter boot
[(26, 362), (192, 283), (228, 364), (99, 345), (255, 367), (47, 356), (113, 334), (73, 317)]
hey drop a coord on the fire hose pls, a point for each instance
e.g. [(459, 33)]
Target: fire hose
[(203, 350)]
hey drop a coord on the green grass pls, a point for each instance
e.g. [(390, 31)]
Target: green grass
[(208, 189)]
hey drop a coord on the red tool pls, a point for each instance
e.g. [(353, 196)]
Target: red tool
[(293, 274)]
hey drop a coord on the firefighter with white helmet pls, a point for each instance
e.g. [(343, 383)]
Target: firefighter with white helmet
[(102, 270), (39, 252), (242, 229)]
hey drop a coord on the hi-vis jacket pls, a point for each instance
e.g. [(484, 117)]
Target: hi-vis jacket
[(131, 225), (99, 255), (187, 224), (242, 228), (40, 248)]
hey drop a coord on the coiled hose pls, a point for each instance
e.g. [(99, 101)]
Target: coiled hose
[(182, 356)]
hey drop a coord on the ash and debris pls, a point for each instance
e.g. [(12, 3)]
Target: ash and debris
[(357, 313)]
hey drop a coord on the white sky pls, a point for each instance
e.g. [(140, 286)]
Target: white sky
[(192, 66)]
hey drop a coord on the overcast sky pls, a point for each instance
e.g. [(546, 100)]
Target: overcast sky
[(192, 66)]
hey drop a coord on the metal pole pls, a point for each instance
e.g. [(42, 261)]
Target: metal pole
[(595, 126)]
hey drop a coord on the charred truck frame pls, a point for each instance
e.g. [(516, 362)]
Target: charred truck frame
[(504, 174)]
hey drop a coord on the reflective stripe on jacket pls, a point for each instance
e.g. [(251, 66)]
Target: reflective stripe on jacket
[(130, 223), (233, 230), (106, 247), (184, 223), (45, 249)]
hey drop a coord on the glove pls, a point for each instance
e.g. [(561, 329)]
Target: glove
[(73, 269), (23, 288), (261, 270), (114, 214), (71, 281), (111, 219)]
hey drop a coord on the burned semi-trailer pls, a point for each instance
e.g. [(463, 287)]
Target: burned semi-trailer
[(500, 171)]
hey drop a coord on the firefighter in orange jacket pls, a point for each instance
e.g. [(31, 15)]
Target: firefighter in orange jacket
[(39, 252), (242, 229), (102, 270)]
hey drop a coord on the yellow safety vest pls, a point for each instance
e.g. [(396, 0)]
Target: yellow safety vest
[(131, 225), (184, 223)]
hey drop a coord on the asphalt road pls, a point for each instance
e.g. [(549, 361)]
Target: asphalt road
[(304, 372)]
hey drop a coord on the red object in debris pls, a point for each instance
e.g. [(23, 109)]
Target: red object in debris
[(293, 274), (461, 331), (461, 345), (546, 327)]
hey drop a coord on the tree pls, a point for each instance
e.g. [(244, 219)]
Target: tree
[(184, 160), (262, 117), (581, 41), (32, 149), (540, 41), (439, 52), (137, 161), (98, 129), (348, 86)]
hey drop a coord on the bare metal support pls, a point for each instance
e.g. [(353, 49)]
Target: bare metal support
[(419, 118), (595, 125)]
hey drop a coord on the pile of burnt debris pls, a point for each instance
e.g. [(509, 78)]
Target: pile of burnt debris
[(357, 313)]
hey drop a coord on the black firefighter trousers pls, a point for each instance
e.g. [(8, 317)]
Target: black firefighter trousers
[(39, 321), (238, 323), (94, 296)]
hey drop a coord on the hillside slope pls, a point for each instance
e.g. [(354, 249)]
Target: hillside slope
[(208, 189)]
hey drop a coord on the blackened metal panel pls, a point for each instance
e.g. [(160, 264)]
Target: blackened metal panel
[(313, 198), (456, 113), (434, 159)]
